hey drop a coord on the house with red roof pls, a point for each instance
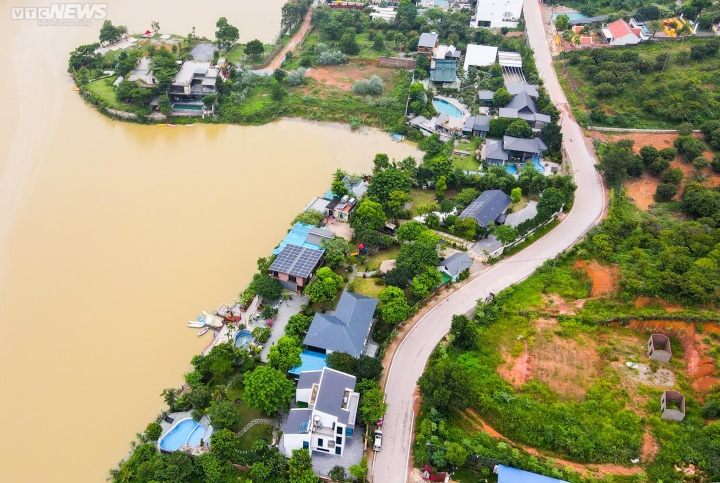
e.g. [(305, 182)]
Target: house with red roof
[(620, 32)]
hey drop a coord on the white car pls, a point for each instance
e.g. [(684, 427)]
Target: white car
[(378, 440)]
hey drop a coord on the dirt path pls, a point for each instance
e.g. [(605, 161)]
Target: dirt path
[(294, 42), (478, 423)]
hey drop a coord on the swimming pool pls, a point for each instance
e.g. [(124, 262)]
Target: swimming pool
[(187, 107), (538, 165), (441, 3), (243, 339), (187, 431), (510, 168), (446, 108), (570, 16)]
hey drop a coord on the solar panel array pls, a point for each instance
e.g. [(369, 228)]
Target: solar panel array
[(297, 261)]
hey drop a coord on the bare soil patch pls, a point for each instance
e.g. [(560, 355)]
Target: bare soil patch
[(649, 448), (604, 278), (645, 301), (556, 305), (699, 366), (344, 76), (517, 370)]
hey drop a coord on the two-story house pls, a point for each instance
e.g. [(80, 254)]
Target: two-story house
[(329, 419), (295, 265), (194, 81)]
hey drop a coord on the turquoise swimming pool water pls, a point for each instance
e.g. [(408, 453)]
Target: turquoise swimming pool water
[(510, 168), (243, 339), (446, 108), (187, 431), (570, 16), (187, 107)]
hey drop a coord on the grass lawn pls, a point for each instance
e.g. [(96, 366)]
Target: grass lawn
[(374, 261), (104, 90), (467, 163), (248, 414), (421, 197), (258, 431), (468, 475), (367, 286)]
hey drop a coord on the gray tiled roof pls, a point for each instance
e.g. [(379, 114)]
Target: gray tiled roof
[(317, 235), (515, 88), (297, 261), (522, 102), (296, 418), (494, 150), (332, 390), (534, 145), (427, 40), (485, 95), (345, 331), (308, 378), (487, 207), (456, 263)]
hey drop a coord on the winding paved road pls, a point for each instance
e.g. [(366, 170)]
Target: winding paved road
[(391, 465)]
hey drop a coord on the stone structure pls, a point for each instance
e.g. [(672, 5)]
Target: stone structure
[(658, 348), (672, 406)]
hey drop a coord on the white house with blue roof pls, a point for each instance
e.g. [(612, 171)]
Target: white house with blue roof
[(347, 330), (329, 419)]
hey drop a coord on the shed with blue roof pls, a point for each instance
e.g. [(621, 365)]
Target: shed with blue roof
[(514, 475)]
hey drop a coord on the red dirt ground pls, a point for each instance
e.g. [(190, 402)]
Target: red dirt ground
[(604, 278), (649, 448), (700, 367), (517, 371), (645, 301), (344, 76), (642, 190)]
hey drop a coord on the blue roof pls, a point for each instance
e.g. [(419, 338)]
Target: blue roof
[(311, 361), (328, 195), (513, 475), (297, 236)]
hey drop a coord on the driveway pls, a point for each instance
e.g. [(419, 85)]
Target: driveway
[(391, 465)]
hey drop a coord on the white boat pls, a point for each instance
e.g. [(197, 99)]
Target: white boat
[(195, 324), (203, 330)]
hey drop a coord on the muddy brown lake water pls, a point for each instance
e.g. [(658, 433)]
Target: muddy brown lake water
[(112, 235)]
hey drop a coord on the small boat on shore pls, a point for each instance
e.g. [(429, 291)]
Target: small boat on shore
[(203, 331), (195, 324), (201, 319)]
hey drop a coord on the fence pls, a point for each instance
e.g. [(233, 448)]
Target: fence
[(397, 62)]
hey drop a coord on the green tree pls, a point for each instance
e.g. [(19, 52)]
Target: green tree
[(455, 454), (348, 44), (309, 217), (255, 49), (224, 414), (440, 187), (416, 257), (336, 251), (341, 361), (300, 467), (368, 216), (467, 196), (170, 396), (298, 325), (153, 431), (697, 200), (209, 100), (368, 368), (551, 202), (225, 445), (338, 474), (110, 33), (447, 386), (614, 162), (387, 181), (291, 15), (672, 176), (226, 34), (372, 406), (277, 91), (360, 470), (381, 161), (410, 231), (464, 332), (501, 97), (562, 23), (83, 56), (394, 307), (406, 13), (519, 129), (665, 192), (396, 203), (285, 354), (551, 135), (424, 284), (266, 287), (211, 468), (379, 42), (165, 105), (324, 288), (466, 228), (268, 390), (516, 195), (339, 189)]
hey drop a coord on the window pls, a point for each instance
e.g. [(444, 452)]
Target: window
[(274, 274), (338, 440), (339, 430), (292, 278), (306, 445), (338, 450), (348, 432), (320, 441)]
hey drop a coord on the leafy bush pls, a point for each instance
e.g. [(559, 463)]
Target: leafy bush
[(672, 176), (374, 86), (658, 166), (296, 77), (700, 163), (665, 192), (331, 58)]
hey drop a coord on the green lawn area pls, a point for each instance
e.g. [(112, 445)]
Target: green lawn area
[(367, 286), (421, 197), (374, 260), (258, 431), (104, 90), (468, 475), (248, 414), (467, 163)]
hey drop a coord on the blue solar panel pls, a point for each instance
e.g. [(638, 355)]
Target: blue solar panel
[(304, 427)]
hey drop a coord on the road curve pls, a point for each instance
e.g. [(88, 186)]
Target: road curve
[(392, 463)]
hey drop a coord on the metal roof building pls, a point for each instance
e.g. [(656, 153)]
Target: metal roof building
[(487, 207), (513, 475), (347, 330)]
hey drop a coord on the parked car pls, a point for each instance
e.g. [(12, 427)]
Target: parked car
[(377, 445)]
